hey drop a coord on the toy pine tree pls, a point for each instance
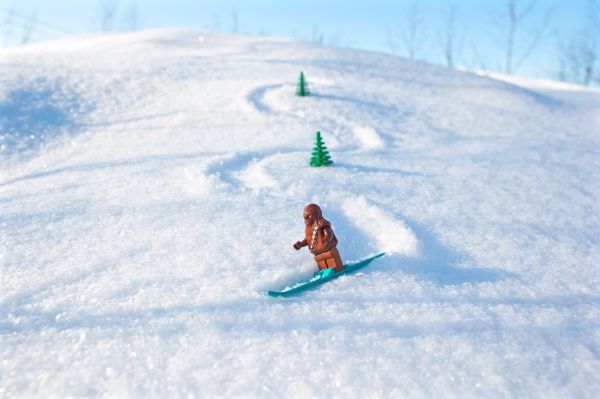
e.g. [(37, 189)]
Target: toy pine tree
[(302, 89), (320, 155)]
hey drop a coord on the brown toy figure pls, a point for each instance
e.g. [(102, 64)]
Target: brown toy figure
[(320, 239)]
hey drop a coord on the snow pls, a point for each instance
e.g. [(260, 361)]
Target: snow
[(368, 137), (152, 185), (390, 234)]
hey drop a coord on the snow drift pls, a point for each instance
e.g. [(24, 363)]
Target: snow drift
[(391, 235)]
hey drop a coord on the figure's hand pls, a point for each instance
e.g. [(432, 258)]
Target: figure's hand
[(297, 245)]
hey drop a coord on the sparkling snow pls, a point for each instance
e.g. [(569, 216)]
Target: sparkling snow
[(152, 185)]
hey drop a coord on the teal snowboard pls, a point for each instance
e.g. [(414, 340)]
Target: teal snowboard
[(323, 276)]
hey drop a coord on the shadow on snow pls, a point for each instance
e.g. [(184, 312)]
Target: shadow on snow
[(439, 263), (30, 117)]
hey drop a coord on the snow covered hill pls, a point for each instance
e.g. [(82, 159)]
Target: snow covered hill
[(152, 185)]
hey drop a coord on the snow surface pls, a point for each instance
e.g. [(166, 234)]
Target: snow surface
[(152, 184)]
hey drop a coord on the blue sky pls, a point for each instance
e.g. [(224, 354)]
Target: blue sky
[(359, 24)]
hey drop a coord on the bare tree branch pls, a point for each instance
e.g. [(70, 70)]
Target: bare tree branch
[(129, 21), (28, 28), (8, 24), (579, 55), (108, 9), (514, 17), (16, 28), (538, 34), (528, 9), (450, 44), (316, 35), (411, 36)]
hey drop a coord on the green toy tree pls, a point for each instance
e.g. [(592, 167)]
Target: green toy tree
[(320, 155), (302, 89)]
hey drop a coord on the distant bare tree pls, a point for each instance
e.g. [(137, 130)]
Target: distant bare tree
[(514, 15), (594, 32), (28, 29), (235, 25), (411, 36), (450, 42), (112, 19), (579, 54), (7, 25), (10, 24), (129, 21), (108, 14), (316, 36)]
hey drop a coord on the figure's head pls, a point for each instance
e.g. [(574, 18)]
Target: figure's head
[(312, 213)]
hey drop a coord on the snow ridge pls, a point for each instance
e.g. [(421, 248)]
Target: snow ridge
[(390, 234)]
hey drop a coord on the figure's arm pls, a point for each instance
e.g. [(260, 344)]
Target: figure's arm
[(300, 244), (327, 235)]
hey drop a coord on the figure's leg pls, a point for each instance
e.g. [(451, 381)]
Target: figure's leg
[(321, 260), (322, 264), (329, 259), (336, 260)]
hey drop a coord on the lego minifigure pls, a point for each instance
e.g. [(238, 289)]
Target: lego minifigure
[(320, 239)]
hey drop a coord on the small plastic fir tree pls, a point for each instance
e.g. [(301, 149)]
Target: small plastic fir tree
[(320, 155), (302, 89)]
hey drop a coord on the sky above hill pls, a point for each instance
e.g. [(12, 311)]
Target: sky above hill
[(480, 27)]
